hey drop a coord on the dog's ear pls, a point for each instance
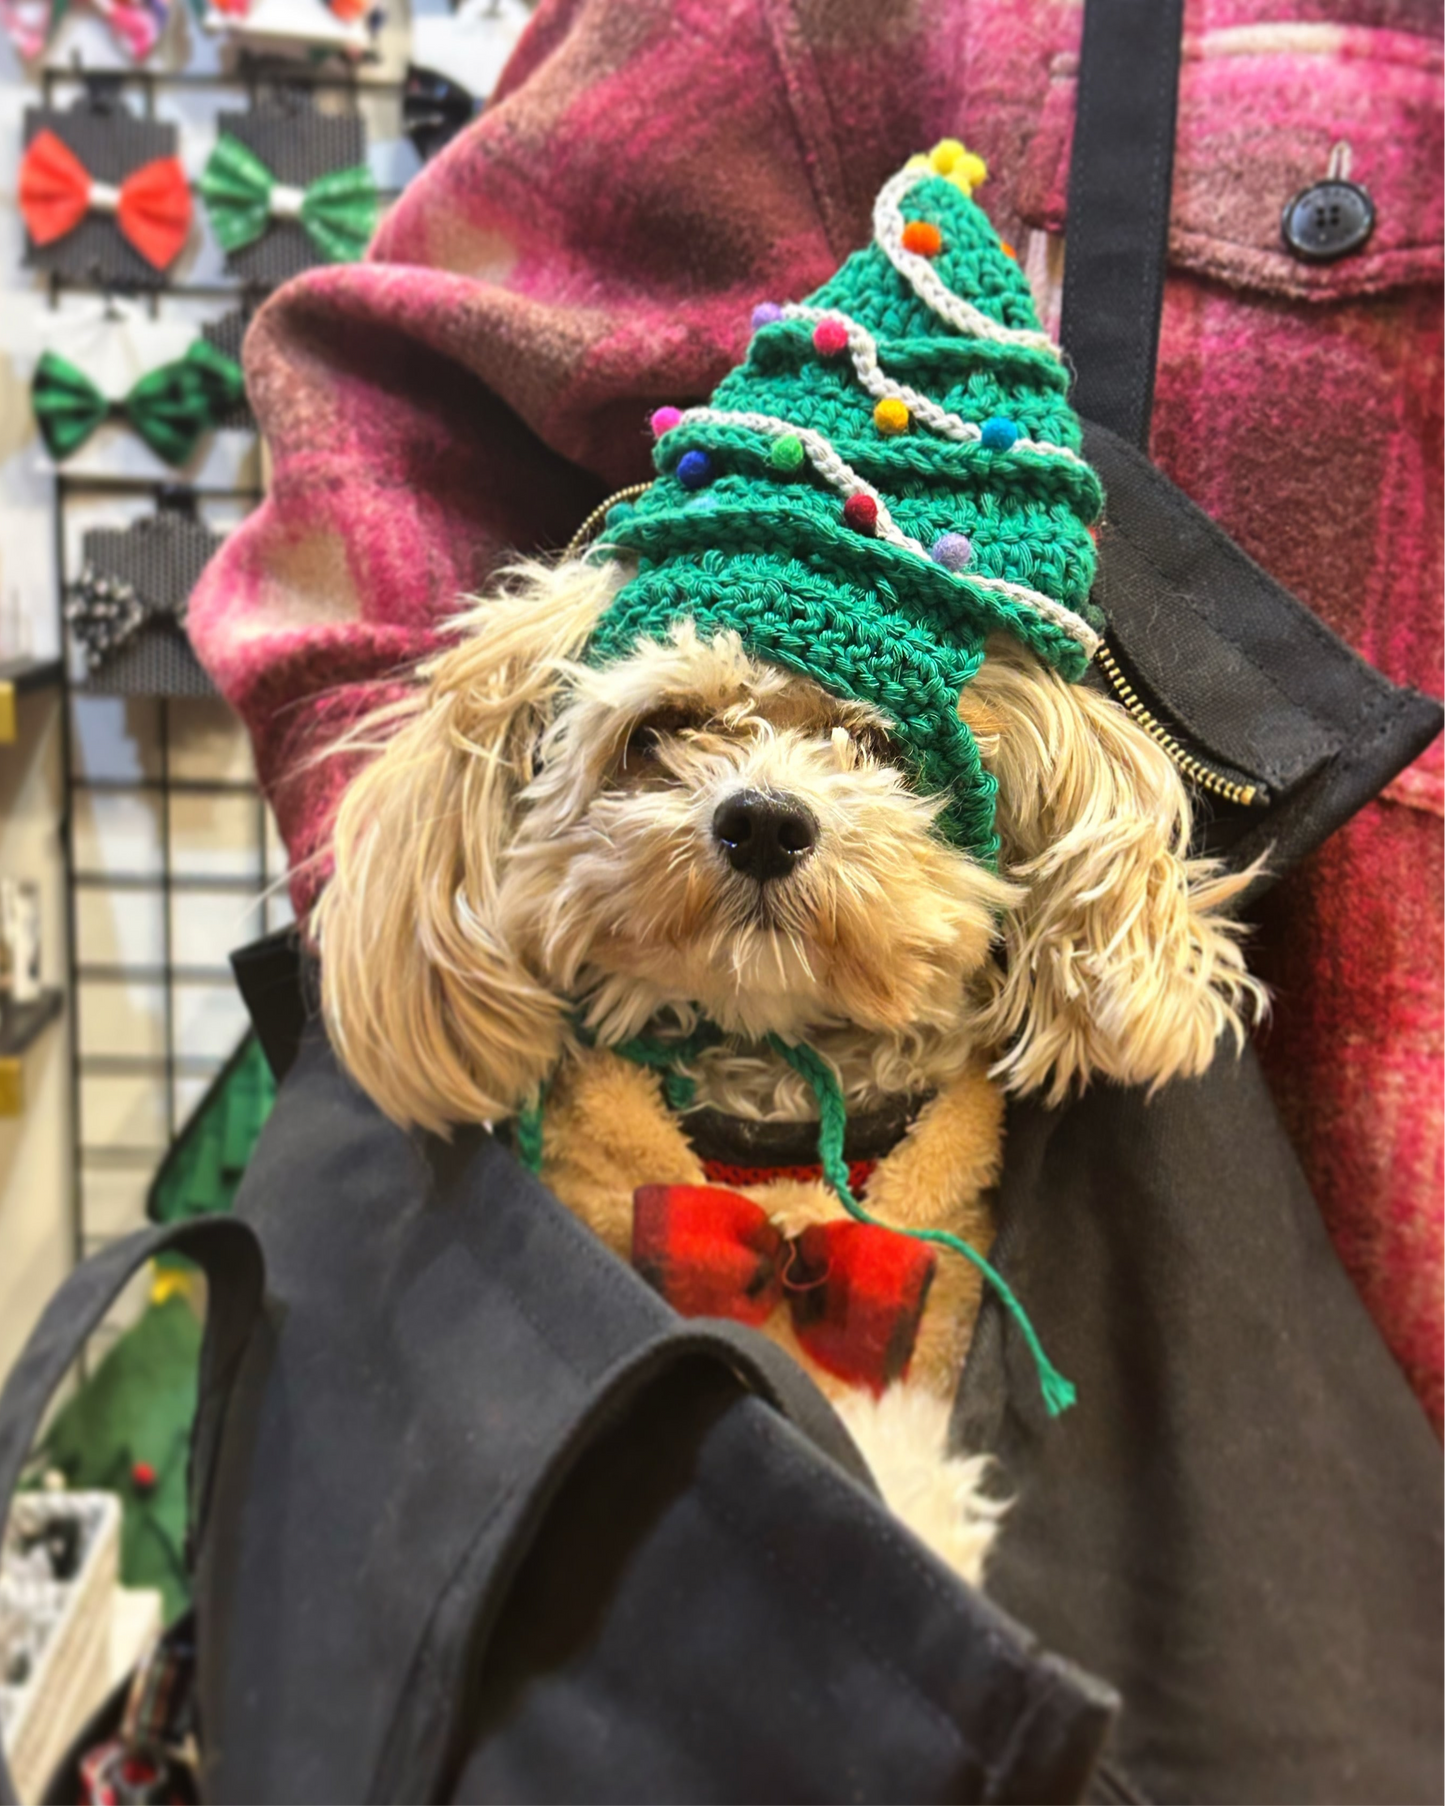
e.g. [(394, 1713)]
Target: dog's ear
[(1119, 961), (429, 1007)]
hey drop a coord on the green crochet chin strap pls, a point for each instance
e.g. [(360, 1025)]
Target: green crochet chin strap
[(810, 1065), (1059, 1393)]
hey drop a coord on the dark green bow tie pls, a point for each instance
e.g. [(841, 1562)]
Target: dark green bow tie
[(170, 407), (337, 210)]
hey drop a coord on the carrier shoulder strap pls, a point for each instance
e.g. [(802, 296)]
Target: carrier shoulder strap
[(230, 1256), (1120, 180)]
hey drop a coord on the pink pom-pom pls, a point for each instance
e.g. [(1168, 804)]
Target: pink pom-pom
[(664, 420), (830, 337)]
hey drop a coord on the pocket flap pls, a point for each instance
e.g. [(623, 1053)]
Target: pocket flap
[(1262, 109)]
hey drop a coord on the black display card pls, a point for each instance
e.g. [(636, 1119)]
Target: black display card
[(162, 558)]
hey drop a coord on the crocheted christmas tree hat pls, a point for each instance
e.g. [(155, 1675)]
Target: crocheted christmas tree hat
[(890, 477)]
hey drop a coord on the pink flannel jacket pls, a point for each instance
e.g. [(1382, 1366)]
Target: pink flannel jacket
[(593, 246)]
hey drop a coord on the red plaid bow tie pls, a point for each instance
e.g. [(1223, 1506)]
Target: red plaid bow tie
[(856, 1291), (152, 206)]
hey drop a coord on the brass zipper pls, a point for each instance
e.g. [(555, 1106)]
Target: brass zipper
[(595, 519), (1201, 775)]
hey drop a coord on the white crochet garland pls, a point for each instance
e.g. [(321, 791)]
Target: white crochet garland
[(821, 455), (863, 349), (842, 478), (921, 276)]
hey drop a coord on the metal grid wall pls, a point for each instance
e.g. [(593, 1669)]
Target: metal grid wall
[(167, 840)]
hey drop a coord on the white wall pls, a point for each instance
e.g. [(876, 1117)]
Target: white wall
[(35, 1226)]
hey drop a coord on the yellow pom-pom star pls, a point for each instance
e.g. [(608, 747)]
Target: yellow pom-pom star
[(957, 164)]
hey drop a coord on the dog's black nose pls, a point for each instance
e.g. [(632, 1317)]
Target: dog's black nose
[(764, 836)]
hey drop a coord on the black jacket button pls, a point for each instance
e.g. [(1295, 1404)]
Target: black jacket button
[(1327, 220)]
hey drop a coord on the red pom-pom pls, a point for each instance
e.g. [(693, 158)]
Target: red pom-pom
[(143, 1476), (861, 513), (922, 238), (830, 337)]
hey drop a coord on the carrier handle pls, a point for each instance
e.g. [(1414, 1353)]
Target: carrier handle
[(229, 1254)]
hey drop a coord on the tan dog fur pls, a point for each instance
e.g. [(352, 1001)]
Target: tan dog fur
[(532, 844)]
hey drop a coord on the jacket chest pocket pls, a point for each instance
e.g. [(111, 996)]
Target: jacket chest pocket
[(1268, 113)]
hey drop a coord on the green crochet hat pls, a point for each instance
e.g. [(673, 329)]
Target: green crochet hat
[(891, 476)]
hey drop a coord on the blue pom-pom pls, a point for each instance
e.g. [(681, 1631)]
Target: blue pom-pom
[(766, 313), (694, 469), (998, 434), (952, 550)]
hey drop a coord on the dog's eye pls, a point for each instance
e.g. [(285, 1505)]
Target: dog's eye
[(877, 744), (645, 738), (641, 748)]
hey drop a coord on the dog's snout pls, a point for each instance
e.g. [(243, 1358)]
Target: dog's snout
[(764, 836)]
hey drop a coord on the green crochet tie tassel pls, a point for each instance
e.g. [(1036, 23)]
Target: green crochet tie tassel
[(889, 478), (810, 1065), (529, 1132), (665, 1057)]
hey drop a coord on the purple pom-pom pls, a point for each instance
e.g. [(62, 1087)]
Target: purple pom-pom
[(766, 313), (952, 550)]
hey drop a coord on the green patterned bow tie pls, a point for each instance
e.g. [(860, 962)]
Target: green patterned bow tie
[(170, 407), (337, 210)]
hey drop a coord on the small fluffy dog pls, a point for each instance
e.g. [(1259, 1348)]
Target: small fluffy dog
[(547, 859)]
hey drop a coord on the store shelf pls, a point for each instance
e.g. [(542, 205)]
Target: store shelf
[(154, 975), (181, 1066), (21, 1024), (18, 677), (172, 786), (243, 883)]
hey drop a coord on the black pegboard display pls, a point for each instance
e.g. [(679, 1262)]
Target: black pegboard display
[(297, 144), (112, 144), (162, 559), (303, 122), (226, 335), (434, 108)]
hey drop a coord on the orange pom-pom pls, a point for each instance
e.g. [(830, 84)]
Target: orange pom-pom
[(1007, 249), (922, 237)]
